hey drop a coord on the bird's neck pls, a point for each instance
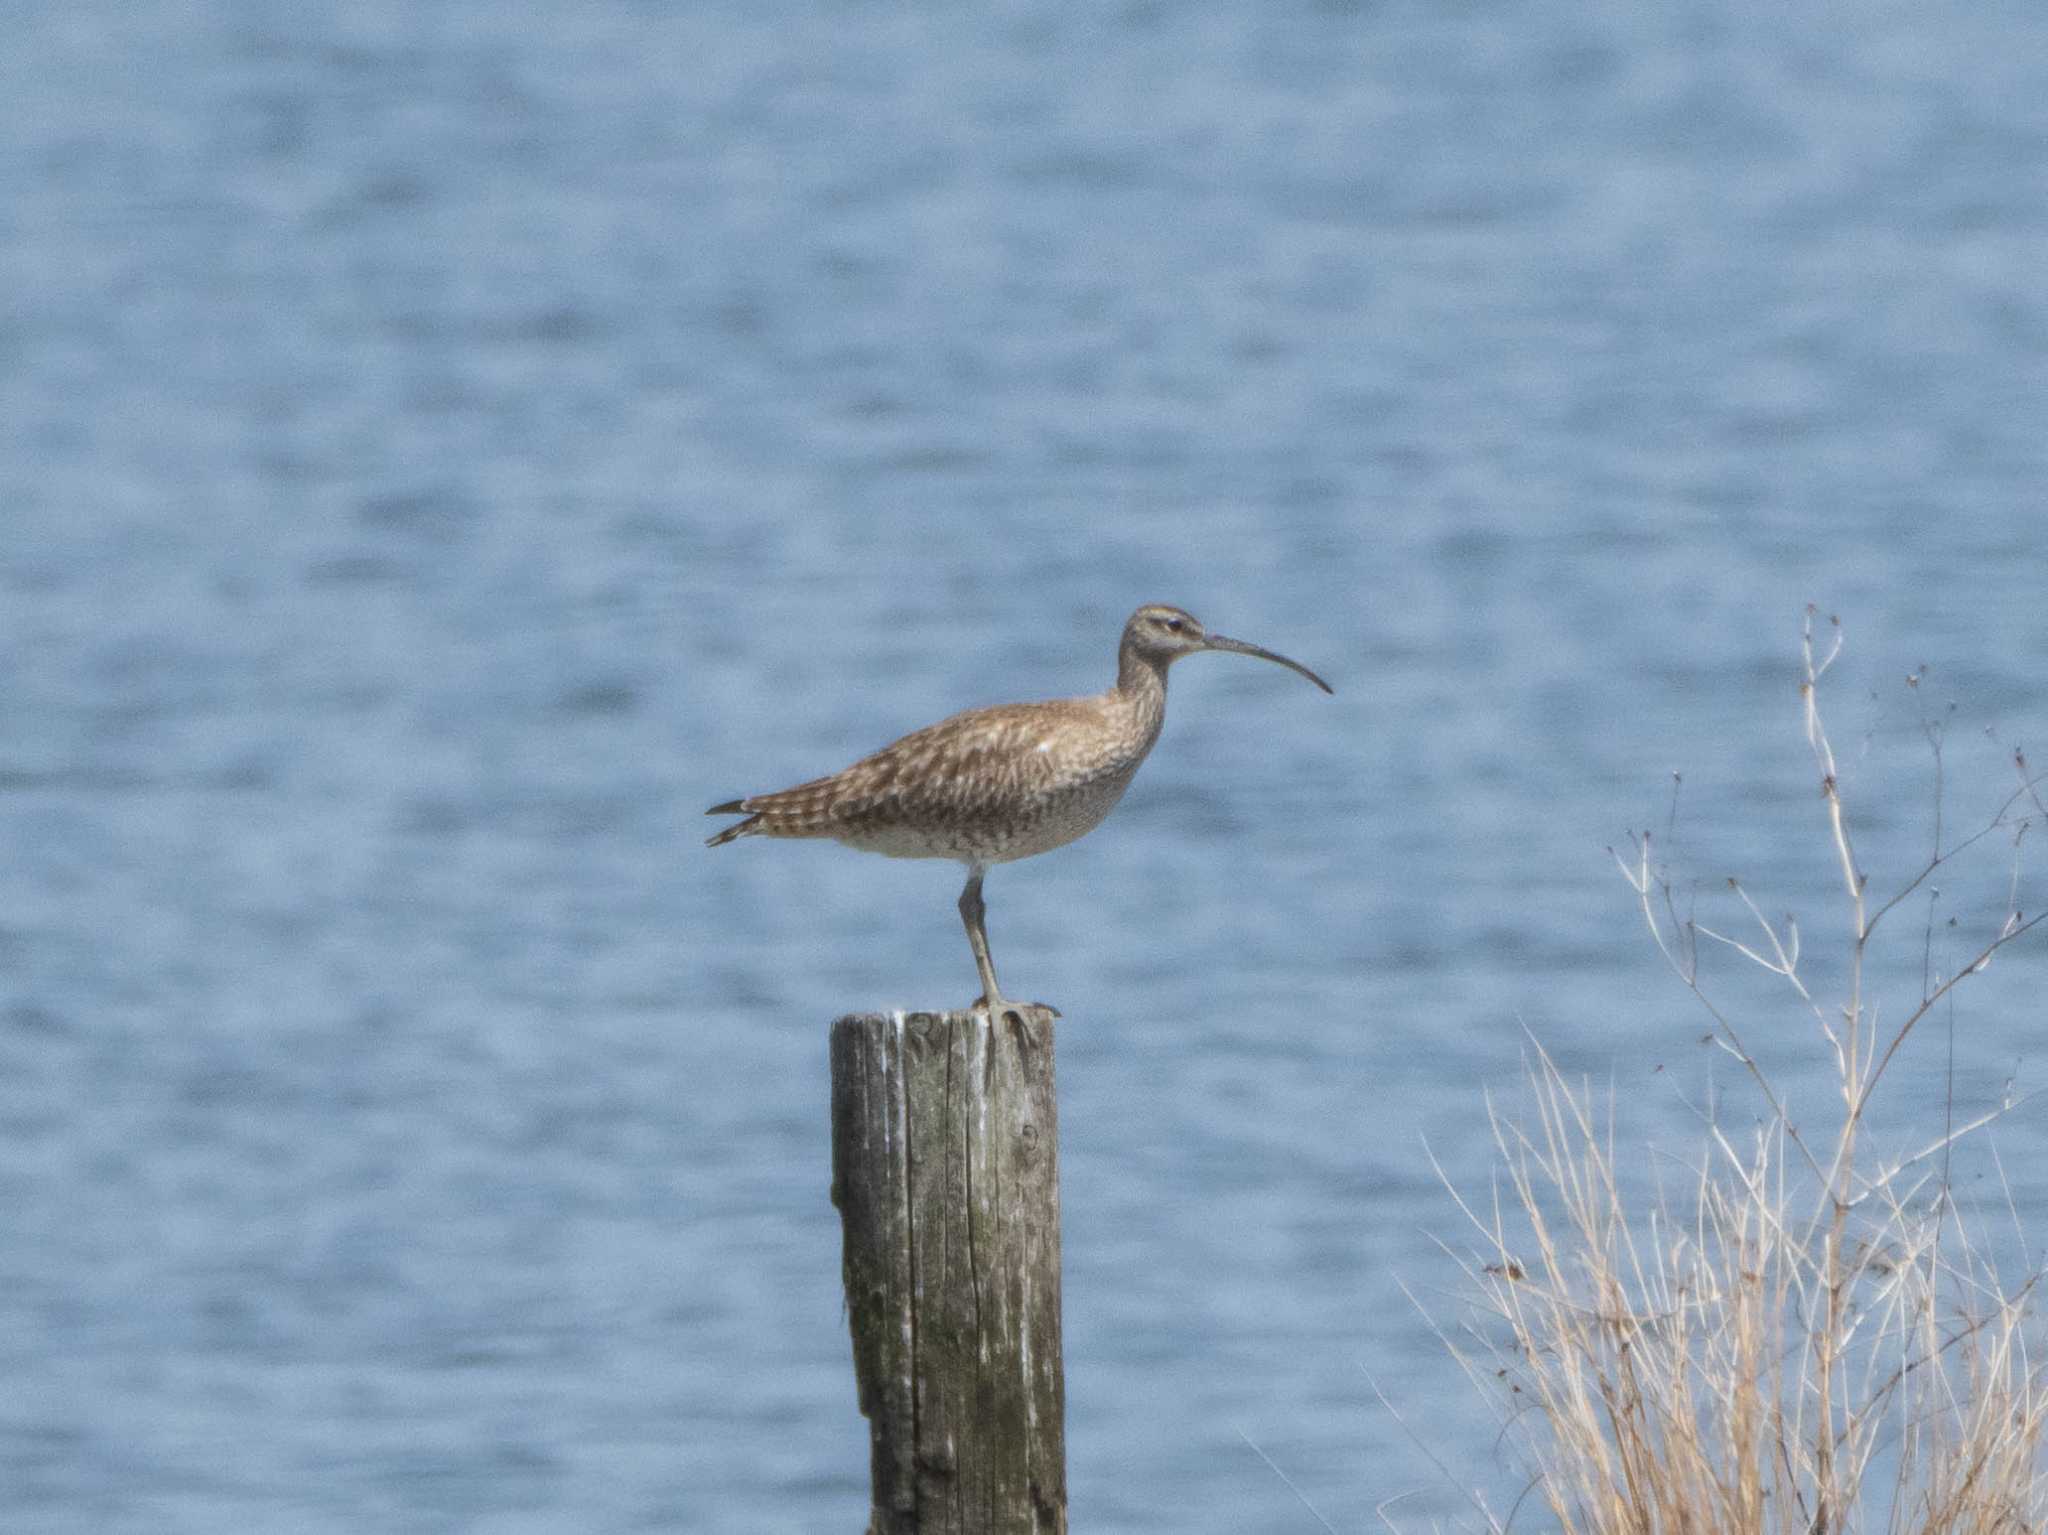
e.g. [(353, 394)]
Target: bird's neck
[(1141, 686)]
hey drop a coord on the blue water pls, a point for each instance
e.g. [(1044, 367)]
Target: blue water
[(448, 446)]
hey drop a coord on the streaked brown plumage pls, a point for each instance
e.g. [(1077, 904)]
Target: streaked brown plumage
[(993, 785)]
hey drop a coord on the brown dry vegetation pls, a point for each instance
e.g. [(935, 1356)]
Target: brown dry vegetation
[(1803, 1337)]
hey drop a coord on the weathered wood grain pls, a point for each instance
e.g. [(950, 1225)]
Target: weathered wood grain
[(945, 1169)]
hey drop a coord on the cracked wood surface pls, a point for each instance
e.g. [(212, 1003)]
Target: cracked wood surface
[(945, 1169)]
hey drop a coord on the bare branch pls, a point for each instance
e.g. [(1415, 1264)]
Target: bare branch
[(2014, 928)]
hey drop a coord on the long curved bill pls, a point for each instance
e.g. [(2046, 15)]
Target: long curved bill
[(1224, 642)]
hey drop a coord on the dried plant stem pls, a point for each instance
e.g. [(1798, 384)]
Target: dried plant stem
[(1735, 1363)]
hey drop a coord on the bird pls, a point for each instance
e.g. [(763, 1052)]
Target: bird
[(994, 785)]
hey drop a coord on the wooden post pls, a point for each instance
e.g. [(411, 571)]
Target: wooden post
[(945, 1169)]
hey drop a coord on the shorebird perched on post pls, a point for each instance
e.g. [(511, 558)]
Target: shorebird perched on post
[(993, 785)]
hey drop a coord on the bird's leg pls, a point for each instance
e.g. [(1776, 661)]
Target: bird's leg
[(972, 913)]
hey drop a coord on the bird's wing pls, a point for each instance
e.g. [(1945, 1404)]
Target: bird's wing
[(964, 767)]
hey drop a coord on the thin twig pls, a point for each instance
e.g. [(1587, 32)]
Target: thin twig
[(1286, 1481)]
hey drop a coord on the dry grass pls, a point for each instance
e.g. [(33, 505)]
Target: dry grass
[(1800, 1336)]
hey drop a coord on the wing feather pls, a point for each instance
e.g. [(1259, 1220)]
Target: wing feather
[(964, 768)]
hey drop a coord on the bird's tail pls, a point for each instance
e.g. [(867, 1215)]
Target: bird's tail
[(739, 828), (805, 811)]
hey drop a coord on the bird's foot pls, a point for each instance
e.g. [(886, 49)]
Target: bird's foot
[(1001, 1005)]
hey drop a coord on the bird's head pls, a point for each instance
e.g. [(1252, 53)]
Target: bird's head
[(1159, 635)]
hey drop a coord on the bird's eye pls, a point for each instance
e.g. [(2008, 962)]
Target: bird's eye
[(1174, 624)]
